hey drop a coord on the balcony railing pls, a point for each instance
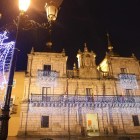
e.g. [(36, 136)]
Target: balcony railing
[(70, 73), (82, 98), (48, 73), (105, 74), (47, 78)]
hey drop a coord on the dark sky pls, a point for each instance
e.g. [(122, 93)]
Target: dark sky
[(80, 21)]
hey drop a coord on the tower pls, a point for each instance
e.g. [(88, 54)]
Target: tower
[(86, 63)]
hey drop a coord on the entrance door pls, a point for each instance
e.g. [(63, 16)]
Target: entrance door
[(92, 124)]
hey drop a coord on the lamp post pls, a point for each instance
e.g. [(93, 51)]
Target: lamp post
[(51, 7), (23, 5)]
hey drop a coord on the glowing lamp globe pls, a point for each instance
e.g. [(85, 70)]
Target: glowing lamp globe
[(51, 7), (23, 5)]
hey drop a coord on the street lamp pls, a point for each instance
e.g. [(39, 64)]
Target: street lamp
[(4, 118), (51, 11), (23, 5), (51, 7)]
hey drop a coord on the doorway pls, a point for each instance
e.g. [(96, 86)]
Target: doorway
[(92, 124), (45, 91)]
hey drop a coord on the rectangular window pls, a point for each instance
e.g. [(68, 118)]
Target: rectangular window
[(11, 102), (123, 70), (135, 120), (45, 91), (44, 121), (128, 92), (47, 67), (89, 91), (14, 83)]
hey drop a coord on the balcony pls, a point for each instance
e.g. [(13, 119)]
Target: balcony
[(70, 73), (47, 78), (104, 74), (83, 99), (47, 73), (128, 81), (61, 104)]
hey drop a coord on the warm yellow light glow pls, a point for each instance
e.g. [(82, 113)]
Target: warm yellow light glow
[(24, 4), (78, 56), (103, 65)]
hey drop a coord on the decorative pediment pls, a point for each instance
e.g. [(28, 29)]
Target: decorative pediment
[(86, 58)]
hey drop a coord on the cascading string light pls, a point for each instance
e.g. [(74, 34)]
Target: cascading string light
[(6, 51), (62, 108), (101, 104), (47, 78), (128, 81)]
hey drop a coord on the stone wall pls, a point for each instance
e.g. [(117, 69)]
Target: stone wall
[(110, 120)]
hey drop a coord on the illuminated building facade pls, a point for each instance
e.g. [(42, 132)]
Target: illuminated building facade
[(16, 98), (103, 99)]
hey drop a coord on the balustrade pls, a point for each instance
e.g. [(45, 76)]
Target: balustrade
[(82, 98)]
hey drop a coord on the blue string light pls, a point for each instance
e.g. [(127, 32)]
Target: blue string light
[(6, 51)]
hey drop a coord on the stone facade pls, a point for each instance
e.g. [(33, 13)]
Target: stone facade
[(86, 89)]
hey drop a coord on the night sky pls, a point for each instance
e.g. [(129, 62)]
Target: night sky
[(80, 21)]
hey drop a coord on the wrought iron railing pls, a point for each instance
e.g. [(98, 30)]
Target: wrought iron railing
[(48, 73), (105, 74), (127, 76), (82, 98), (70, 73), (47, 78)]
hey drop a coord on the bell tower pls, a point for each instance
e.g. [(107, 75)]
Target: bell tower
[(86, 63)]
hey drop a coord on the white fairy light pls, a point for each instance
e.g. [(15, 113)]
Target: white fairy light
[(47, 78), (128, 81), (6, 51), (72, 110), (111, 104)]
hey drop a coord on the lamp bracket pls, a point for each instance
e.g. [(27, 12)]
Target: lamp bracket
[(26, 24)]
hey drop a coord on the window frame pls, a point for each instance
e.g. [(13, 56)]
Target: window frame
[(46, 91), (89, 90), (48, 68), (14, 83), (12, 102), (135, 119), (128, 92), (123, 70), (43, 125)]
